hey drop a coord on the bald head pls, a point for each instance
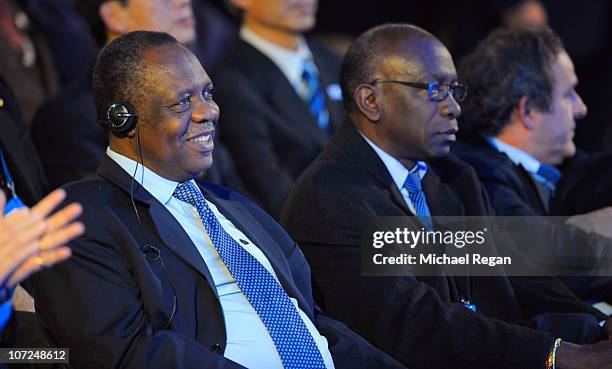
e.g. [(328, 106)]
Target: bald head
[(384, 49)]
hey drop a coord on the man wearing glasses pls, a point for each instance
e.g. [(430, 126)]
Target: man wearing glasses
[(389, 158)]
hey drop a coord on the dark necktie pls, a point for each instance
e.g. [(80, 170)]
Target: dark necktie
[(294, 343)]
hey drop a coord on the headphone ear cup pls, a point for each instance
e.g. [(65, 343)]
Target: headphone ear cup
[(121, 118)]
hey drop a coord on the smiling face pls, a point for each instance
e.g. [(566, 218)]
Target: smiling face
[(412, 127), (177, 115), (553, 133)]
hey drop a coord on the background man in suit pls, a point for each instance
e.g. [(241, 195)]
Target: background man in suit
[(173, 272), (401, 93), (520, 121), (279, 96), (522, 112), (78, 150)]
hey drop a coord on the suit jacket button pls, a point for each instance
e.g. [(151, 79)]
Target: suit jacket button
[(216, 348)]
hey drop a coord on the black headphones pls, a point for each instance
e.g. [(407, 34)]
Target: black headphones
[(120, 118)]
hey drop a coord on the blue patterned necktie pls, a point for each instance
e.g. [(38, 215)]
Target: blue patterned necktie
[(551, 176), (314, 95), (417, 196), (293, 341)]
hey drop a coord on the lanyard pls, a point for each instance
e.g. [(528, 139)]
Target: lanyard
[(9, 180), (15, 202)]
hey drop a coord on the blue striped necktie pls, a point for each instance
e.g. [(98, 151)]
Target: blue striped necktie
[(314, 95), (551, 176), (294, 343), (417, 196)]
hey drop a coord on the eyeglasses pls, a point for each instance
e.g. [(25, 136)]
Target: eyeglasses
[(436, 91)]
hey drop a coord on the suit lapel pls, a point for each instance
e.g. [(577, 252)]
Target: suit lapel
[(352, 142), (398, 198), (349, 139), (284, 101), (442, 201), (170, 231), (247, 224), (175, 238), (535, 188), (524, 184), (440, 198)]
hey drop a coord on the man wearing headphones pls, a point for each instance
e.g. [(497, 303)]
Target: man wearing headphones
[(174, 272), (72, 111)]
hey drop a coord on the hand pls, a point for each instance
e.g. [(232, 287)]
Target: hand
[(31, 239)]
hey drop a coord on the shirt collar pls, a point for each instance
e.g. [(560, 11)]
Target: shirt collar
[(161, 188), (517, 156), (290, 62), (398, 171)]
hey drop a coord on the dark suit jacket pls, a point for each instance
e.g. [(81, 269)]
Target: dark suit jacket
[(417, 320), (111, 305), (19, 152), (585, 185), (71, 143), (511, 189), (265, 124), (514, 193)]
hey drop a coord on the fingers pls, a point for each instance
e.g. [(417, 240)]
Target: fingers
[(19, 262), (22, 226), (26, 218), (12, 258), (61, 236), (50, 202), (31, 239), (37, 262), (26, 226), (63, 216)]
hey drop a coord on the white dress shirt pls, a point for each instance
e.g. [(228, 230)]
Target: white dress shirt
[(248, 340), (290, 62), (398, 171)]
